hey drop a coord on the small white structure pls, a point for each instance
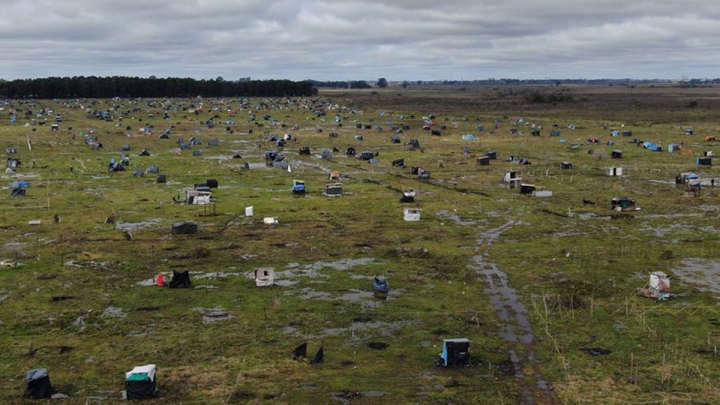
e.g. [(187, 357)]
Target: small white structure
[(512, 179), (270, 220), (657, 287), (411, 214), (249, 211), (614, 171), (265, 277), (197, 197)]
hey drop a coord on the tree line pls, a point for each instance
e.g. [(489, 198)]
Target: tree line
[(152, 87)]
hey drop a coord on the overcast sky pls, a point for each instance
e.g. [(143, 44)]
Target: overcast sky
[(361, 40)]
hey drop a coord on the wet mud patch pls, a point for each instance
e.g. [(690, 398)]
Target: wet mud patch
[(113, 312), (212, 315), (134, 226), (702, 274), (454, 217)]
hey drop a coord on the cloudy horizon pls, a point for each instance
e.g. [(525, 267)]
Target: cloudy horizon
[(352, 40)]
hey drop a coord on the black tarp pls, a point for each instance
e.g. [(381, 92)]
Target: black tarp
[(180, 279), (141, 389), (319, 356), (300, 351), (37, 384), (184, 228)]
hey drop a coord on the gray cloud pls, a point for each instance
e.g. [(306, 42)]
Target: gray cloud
[(341, 39)]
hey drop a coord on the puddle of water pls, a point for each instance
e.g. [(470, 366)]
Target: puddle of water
[(451, 216), (133, 226), (113, 312), (199, 275), (212, 315), (703, 274)]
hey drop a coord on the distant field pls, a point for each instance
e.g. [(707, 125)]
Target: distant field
[(545, 288)]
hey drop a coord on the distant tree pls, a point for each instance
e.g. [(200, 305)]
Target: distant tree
[(359, 84), (405, 84), (382, 82)]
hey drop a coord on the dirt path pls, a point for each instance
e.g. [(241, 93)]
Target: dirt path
[(516, 329)]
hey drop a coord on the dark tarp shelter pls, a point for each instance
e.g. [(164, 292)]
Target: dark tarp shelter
[(456, 352), (37, 384), (180, 279), (319, 356), (184, 228), (300, 351), (380, 285), (140, 382)]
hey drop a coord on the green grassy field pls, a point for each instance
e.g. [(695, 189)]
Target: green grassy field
[(482, 260)]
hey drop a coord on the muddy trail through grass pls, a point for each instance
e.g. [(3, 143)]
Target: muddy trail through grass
[(516, 329)]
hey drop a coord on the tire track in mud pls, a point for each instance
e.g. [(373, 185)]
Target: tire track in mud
[(516, 330)]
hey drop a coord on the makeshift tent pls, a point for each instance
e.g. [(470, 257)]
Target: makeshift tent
[(180, 279), (211, 183), (300, 351), (483, 161), (19, 184), (184, 228), (333, 190), (380, 285), (704, 161), (614, 171), (140, 382), (398, 162), (319, 356), (366, 155), (265, 277), (456, 352), (657, 287), (411, 214), (408, 196), (37, 384), (565, 165), (298, 187), (623, 204), (616, 154), (686, 177), (12, 163), (17, 192), (492, 155), (526, 188)]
